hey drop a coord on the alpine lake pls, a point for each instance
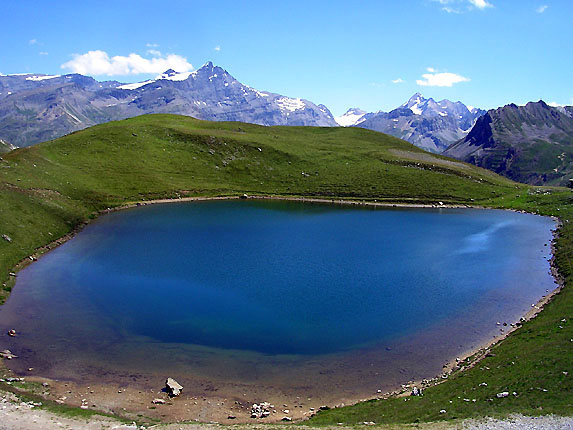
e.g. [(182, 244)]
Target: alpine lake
[(258, 299)]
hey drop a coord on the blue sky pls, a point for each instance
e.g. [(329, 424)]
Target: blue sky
[(368, 54)]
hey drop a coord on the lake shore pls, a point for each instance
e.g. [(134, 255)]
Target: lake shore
[(135, 400)]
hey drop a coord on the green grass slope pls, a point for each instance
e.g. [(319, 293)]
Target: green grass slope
[(48, 190)]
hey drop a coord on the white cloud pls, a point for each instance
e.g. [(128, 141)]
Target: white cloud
[(43, 53), (33, 42), (440, 79), (152, 45), (554, 104), (460, 6), (154, 52), (100, 63), (398, 81), (217, 48), (480, 4), (541, 8)]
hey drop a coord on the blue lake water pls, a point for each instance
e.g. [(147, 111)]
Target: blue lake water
[(273, 279)]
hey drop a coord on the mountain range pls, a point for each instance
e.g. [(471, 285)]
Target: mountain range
[(531, 143), (428, 124), (36, 108)]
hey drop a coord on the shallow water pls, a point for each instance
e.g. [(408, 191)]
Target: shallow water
[(286, 294)]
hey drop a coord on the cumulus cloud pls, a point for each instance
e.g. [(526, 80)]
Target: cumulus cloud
[(33, 41), (541, 8), (100, 63), (154, 52), (43, 53), (398, 81), (554, 104), (440, 79), (217, 48)]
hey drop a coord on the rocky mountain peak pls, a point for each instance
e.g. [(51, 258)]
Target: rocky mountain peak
[(416, 99), (169, 73)]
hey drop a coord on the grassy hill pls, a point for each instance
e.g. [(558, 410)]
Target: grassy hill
[(48, 190)]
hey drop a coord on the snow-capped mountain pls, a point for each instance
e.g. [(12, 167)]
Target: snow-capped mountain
[(35, 108), (428, 124), (352, 116)]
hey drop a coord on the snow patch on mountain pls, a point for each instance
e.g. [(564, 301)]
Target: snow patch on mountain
[(172, 75), (41, 77), (287, 104), (352, 116), (135, 85)]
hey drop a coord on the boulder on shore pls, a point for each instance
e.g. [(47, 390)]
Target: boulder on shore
[(261, 410), (173, 387)]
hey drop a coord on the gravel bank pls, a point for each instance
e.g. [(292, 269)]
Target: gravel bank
[(548, 422)]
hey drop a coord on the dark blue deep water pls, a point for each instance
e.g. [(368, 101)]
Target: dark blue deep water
[(280, 277)]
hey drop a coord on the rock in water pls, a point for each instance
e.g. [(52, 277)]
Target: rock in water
[(173, 387), (7, 354)]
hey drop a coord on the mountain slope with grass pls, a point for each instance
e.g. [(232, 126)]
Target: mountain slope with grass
[(48, 190)]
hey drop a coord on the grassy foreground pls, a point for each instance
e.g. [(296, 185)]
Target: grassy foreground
[(50, 189)]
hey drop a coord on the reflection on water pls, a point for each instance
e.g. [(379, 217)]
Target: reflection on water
[(482, 241)]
